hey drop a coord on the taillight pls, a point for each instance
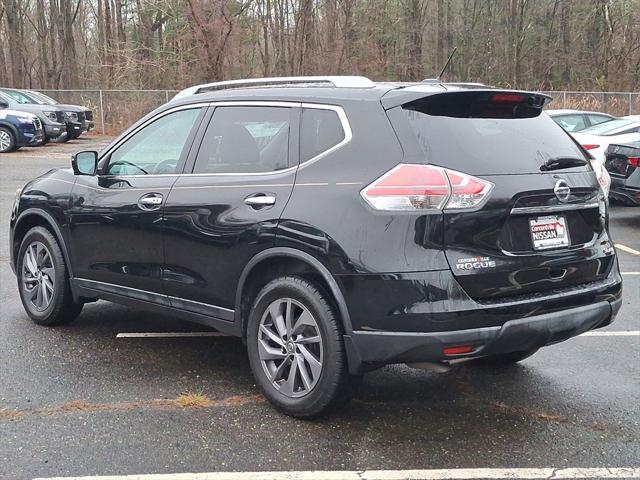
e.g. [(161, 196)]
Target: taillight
[(507, 98), (425, 187), (590, 146), (633, 161)]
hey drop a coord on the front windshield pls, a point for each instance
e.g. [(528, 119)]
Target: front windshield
[(42, 98), (608, 127), (21, 97)]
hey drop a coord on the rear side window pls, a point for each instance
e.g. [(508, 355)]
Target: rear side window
[(487, 146), (321, 130), (246, 140)]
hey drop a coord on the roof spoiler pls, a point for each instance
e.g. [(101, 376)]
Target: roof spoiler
[(330, 81)]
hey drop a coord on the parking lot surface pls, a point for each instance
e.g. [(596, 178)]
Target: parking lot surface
[(78, 400)]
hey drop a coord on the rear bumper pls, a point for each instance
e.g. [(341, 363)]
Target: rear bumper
[(513, 324), (625, 195), (514, 336)]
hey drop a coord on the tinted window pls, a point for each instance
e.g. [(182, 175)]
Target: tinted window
[(245, 140), (483, 146), (571, 123), (321, 130), (156, 149)]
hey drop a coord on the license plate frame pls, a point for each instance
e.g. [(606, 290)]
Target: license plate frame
[(549, 232)]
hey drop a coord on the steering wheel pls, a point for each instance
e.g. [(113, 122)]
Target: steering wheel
[(166, 166), (124, 162)]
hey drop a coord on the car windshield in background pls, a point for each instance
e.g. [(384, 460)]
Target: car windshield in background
[(608, 128), (19, 97), (42, 99)]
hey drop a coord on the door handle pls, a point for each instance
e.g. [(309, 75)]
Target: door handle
[(150, 201), (260, 200)]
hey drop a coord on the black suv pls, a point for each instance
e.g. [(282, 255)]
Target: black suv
[(335, 224)]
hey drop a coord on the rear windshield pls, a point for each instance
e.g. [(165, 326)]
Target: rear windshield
[(491, 146)]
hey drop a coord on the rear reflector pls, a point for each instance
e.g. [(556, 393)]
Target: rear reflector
[(425, 187), (458, 350), (590, 146)]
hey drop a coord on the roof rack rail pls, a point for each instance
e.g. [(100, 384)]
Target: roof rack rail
[(333, 81)]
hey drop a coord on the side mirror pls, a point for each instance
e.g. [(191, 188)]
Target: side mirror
[(85, 163), (3, 104)]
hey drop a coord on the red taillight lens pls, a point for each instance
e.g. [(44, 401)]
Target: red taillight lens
[(633, 161), (425, 187), (590, 146), (507, 98), (458, 350)]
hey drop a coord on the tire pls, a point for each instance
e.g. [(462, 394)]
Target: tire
[(7, 140), (506, 359), (43, 280), (324, 387)]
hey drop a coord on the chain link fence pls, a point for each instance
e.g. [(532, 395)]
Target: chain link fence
[(115, 110)]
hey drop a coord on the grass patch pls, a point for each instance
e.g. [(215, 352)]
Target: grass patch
[(193, 400)]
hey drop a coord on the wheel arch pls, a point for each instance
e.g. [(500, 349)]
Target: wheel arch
[(293, 261), (34, 217), (12, 128)]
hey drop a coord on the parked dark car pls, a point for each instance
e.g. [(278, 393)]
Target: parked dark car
[(623, 164), (335, 224), (77, 113), (18, 129), (57, 125)]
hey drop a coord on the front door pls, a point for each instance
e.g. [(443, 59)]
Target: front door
[(116, 217), (227, 210)]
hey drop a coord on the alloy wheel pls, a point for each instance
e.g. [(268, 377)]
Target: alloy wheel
[(5, 140), (38, 276), (290, 347)]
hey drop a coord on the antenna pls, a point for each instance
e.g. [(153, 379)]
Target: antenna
[(453, 52)]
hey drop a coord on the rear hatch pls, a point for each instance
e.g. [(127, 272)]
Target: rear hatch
[(541, 226)]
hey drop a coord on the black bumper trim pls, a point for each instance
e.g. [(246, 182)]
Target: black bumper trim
[(514, 335)]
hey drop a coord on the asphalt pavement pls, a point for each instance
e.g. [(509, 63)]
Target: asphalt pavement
[(77, 400)]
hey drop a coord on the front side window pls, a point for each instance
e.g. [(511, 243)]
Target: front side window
[(157, 148), (246, 140), (321, 130)]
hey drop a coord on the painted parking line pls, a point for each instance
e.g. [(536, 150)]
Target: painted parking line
[(628, 333), (630, 250), (453, 474), (169, 334), (630, 273)]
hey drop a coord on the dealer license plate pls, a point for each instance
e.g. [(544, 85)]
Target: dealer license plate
[(549, 232)]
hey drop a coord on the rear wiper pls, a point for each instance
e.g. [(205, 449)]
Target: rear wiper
[(562, 162)]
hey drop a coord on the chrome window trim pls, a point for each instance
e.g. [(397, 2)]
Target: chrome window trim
[(346, 127), (554, 208)]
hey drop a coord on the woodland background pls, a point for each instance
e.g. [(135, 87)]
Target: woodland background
[(168, 44)]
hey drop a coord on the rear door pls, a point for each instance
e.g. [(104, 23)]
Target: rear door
[(227, 209), (542, 226)]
